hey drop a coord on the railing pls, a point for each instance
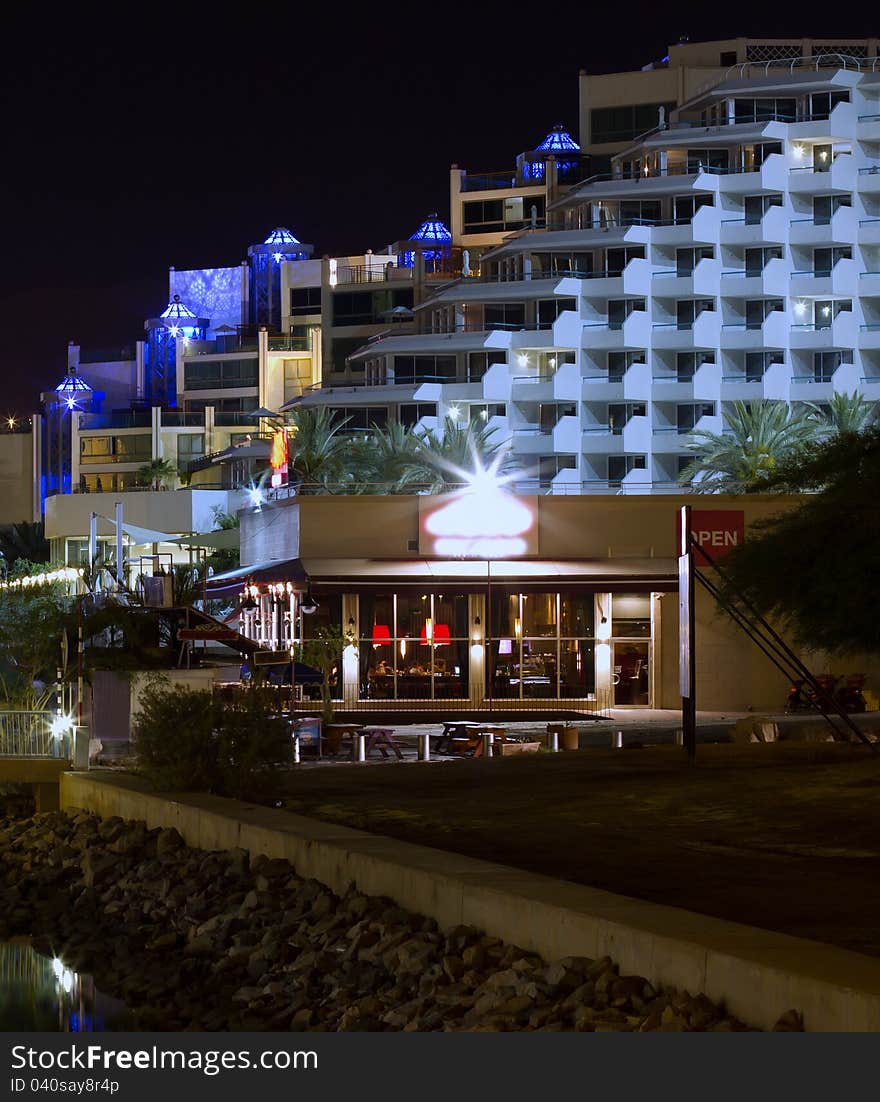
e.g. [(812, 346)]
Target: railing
[(543, 377), (871, 170), (118, 419), (289, 344), (29, 735), (182, 420), (227, 418)]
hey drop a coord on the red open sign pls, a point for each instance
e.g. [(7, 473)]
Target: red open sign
[(719, 531)]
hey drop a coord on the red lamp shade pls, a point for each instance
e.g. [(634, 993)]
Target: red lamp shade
[(439, 636), (381, 635)]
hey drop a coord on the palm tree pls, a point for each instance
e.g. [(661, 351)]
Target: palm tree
[(844, 413), (381, 461), (442, 461), (758, 437), (318, 451), (24, 541), (156, 472)]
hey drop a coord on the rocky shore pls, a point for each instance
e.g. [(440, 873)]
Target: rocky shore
[(201, 940)]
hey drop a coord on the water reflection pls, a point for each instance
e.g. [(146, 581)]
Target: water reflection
[(42, 993)]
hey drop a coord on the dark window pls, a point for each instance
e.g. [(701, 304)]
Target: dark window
[(478, 363), (424, 369), (727, 57), (686, 206), (825, 364), (220, 374), (550, 309), (619, 363), (504, 315), (619, 124), (305, 300), (617, 259), (412, 413)]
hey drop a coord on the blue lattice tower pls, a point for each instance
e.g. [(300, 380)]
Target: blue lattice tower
[(434, 243), (264, 262), (73, 394), (558, 142), (176, 323)]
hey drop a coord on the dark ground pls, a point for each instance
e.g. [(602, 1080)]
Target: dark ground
[(783, 836)]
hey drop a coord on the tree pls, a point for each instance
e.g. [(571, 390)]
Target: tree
[(318, 450), (844, 413), (813, 568), (759, 436), (24, 541), (442, 462), (157, 472), (323, 652), (32, 619), (381, 461)]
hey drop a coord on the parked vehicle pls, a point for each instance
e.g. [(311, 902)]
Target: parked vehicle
[(802, 697)]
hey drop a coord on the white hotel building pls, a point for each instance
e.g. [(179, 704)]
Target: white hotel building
[(733, 252)]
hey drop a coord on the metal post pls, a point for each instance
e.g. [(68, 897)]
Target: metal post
[(488, 744), (424, 747), (361, 747), (120, 570), (296, 748), (687, 635), (617, 740), (93, 544), (553, 741)]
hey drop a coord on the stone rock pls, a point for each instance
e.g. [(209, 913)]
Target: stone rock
[(790, 1022), (168, 841)]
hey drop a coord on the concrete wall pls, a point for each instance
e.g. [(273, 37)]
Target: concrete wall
[(16, 477), (172, 511), (757, 974)]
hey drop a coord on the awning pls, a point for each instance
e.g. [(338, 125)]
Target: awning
[(222, 540), (231, 582), (467, 575)]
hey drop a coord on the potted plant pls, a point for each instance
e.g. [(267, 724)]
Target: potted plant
[(323, 652)]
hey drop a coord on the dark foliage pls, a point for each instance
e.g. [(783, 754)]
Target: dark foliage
[(814, 568)]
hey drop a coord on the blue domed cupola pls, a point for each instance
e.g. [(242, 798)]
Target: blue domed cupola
[(558, 143), (264, 264), (434, 242), (171, 332)]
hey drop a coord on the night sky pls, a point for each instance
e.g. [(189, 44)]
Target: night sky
[(186, 139)]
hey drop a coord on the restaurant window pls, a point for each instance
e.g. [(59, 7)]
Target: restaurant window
[(414, 646), (540, 645)]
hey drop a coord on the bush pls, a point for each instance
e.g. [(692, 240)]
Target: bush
[(254, 745), (187, 740), (174, 737)]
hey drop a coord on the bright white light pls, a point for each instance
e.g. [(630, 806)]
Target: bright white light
[(482, 521), (522, 360), (71, 403), (277, 257), (551, 362), (61, 726), (67, 980), (826, 310), (799, 151), (800, 308), (173, 330), (455, 412), (255, 496), (57, 967)]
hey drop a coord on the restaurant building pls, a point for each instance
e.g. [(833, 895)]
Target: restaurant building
[(482, 600)]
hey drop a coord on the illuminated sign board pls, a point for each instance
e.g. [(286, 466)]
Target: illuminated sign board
[(279, 457), (482, 522), (720, 531)]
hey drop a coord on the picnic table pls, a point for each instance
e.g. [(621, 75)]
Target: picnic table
[(453, 728), (376, 738), (469, 743)]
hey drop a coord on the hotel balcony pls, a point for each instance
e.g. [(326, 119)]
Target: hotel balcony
[(703, 229), (841, 333), (703, 281), (598, 440), (841, 281), (869, 336), (634, 332), (635, 385), (840, 176), (772, 229), (869, 180), (842, 228), (773, 333), (772, 281), (772, 176), (685, 336), (736, 388), (567, 383), (532, 387), (868, 128), (635, 279), (869, 231), (566, 435), (532, 440)]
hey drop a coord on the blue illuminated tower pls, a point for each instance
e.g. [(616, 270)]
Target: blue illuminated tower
[(264, 262), (558, 142), (73, 394), (434, 240), (176, 323)]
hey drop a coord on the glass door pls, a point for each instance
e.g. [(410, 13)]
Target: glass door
[(631, 674)]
